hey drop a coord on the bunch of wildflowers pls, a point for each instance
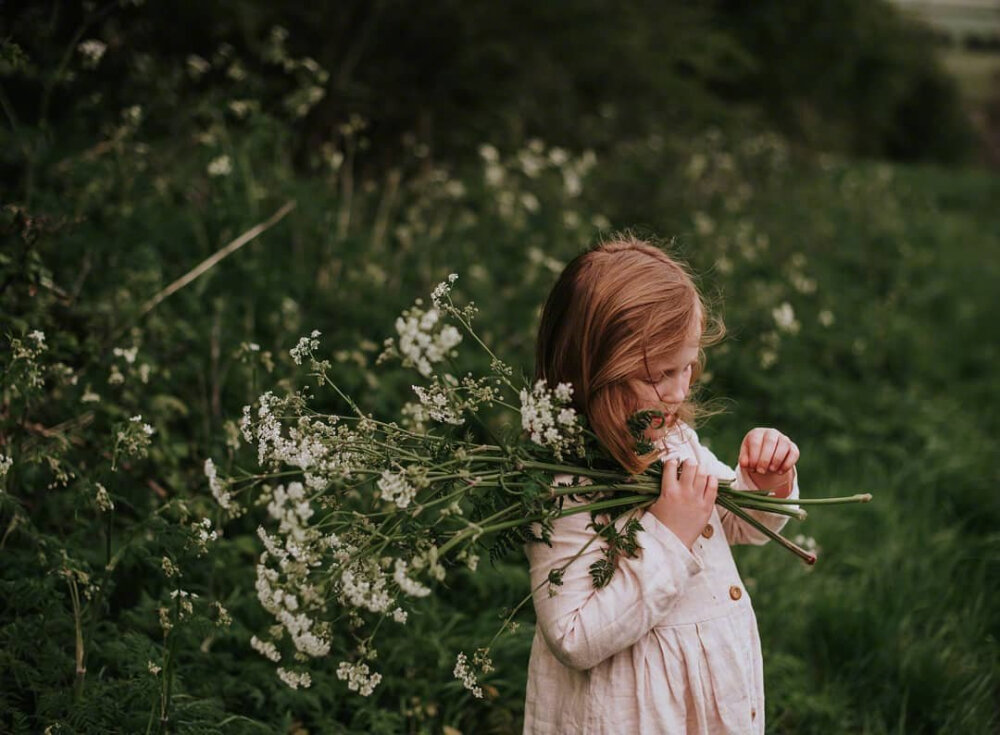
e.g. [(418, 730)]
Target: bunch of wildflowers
[(362, 518), (549, 420)]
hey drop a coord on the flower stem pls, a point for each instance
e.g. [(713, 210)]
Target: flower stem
[(806, 556)]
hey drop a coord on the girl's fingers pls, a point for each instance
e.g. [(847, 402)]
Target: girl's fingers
[(767, 451), (711, 488), (780, 455), (750, 450), (689, 469), (790, 459), (669, 478)]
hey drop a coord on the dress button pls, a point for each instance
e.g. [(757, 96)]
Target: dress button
[(735, 592), (707, 531), (753, 714)]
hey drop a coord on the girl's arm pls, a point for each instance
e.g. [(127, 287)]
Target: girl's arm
[(583, 625)]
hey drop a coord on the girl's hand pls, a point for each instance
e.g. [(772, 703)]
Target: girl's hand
[(768, 458), (686, 502)]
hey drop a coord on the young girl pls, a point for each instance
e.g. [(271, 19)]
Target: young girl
[(670, 645)]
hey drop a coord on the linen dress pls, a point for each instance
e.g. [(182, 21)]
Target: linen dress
[(670, 645)]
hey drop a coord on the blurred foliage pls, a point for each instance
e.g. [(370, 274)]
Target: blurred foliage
[(850, 75), (857, 297)]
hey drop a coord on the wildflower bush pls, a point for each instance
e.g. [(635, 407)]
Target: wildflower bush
[(161, 261)]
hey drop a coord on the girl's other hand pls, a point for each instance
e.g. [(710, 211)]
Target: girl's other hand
[(768, 458), (686, 501)]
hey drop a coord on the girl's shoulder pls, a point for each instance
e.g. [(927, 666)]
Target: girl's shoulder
[(679, 442)]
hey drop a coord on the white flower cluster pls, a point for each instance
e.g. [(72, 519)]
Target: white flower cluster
[(358, 677), (28, 351), (295, 679), (204, 535), (92, 51), (285, 589), (266, 649), (415, 417), (294, 612), (549, 419), (435, 399), (219, 488), (223, 618), (127, 354), (103, 500), (442, 290), (395, 489), (134, 439), (464, 673), (364, 586), (291, 508), (423, 339), (185, 603), (407, 585), (5, 464), (219, 166), (324, 451), (169, 568), (305, 347), (784, 318)]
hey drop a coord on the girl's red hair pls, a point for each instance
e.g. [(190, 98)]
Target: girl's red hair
[(615, 309)]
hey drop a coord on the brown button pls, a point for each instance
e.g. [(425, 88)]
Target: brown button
[(735, 592), (753, 714), (707, 531)]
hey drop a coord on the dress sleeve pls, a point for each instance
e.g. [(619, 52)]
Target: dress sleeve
[(583, 625), (738, 531)]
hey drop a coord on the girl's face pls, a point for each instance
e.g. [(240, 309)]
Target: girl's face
[(668, 382)]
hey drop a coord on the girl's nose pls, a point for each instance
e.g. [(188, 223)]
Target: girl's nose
[(676, 392)]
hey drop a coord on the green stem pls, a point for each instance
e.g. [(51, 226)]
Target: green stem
[(806, 556), (640, 501), (860, 498), (168, 668), (783, 510)]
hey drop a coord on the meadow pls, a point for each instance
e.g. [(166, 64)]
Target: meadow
[(859, 298)]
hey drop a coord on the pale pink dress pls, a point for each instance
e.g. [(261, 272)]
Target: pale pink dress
[(670, 645)]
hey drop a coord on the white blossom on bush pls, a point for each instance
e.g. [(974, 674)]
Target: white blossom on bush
[(358, 677), (464, 673), (305, 347), (295, 679), (220, 166), (92, 52), (267, 649), (103, 500), (5, 464), (219, 488), (407, 585), (442, 290), (784, 318)]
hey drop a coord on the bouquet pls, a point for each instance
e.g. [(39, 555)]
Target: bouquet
[(364, 515)]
